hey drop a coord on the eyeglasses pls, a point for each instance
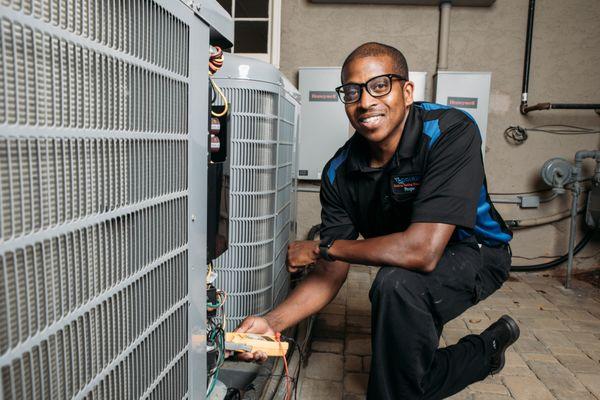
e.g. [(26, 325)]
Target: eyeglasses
[(376, 87)]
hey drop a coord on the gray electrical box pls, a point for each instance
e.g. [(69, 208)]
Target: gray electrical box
[(467, 91), (323, 124), (324, 127)]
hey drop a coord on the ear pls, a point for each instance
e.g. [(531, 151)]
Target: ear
[(407, 92)]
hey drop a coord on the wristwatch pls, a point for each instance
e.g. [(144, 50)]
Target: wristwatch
[(324, 246)]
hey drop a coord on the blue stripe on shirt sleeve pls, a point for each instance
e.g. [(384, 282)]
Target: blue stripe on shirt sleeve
[(432, 129)]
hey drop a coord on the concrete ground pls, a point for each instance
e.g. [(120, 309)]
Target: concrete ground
[(557, 356)]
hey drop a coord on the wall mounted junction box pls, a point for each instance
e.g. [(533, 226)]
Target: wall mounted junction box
[(467, 91)]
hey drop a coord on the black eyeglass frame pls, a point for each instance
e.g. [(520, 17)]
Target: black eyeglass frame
[(365, 85)]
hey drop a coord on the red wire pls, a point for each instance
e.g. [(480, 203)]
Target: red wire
[(288, 391), (215, 61)]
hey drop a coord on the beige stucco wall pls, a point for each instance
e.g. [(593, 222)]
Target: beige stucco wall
[(566, 55)]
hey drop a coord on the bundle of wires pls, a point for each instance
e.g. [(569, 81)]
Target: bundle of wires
[(295, 380), (215, 62), (288, 379), (216, 335), (291, 383), (222, 297), (518, 135)]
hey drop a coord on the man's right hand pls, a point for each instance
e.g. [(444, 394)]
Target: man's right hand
[(257, 325), (301, 254)]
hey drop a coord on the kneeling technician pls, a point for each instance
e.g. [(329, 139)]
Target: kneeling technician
[(411, 181)]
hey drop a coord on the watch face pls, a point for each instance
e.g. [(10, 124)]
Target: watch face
[(324, 253), (324, 249), (326, 243)]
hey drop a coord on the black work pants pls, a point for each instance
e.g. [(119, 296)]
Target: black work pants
[(409, 310)]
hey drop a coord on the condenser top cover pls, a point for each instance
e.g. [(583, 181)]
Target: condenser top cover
[(219, 21), (246, 68)]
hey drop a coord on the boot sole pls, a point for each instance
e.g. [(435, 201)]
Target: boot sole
[(515, 332)]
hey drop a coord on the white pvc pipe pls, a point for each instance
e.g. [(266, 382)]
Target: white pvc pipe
[(444, 36)]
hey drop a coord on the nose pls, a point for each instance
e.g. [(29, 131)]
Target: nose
[(366, 100)]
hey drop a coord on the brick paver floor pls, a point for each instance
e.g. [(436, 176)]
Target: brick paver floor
[(557, 356)]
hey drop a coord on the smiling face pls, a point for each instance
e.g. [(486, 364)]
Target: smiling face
[(380, 120)]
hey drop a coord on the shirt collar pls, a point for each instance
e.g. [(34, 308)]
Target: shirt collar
[(359, 158)]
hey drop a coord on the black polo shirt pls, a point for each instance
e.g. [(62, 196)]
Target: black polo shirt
[(435, 175)]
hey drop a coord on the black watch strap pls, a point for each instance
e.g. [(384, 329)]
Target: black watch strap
[(324, 247)]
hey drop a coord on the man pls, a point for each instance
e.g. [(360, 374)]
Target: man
[(411, 182)]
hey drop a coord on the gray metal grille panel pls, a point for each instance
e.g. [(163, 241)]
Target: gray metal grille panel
[(53, 82), (47, 181), (82, 349), (137, 27), (263, 133), (94, 207)]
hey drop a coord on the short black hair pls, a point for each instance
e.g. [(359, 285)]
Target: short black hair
[(374, 49)]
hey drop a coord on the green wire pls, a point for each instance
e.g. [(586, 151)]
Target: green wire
[(214, 305), (221, 360), (213, 383)]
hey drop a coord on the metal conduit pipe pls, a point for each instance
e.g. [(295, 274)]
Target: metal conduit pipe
[(557, 106), (527, 223), (572, 229), (525, 108), (527, 62), (579, 157), (444, 37), (308, 189)]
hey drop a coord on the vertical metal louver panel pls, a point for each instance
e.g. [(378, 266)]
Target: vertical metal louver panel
[(94, 129), (52, 82), (140, 28), (246, 269), (285, 146), (252, 271)]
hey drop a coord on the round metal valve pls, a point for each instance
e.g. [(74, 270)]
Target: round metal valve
[(557, 172)]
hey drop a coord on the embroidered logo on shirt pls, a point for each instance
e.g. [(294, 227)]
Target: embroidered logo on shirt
[(405, 184)]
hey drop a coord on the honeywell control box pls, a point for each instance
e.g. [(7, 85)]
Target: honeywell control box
[(467, 91)]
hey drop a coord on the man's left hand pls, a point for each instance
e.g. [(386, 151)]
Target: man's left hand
[(301, 254)]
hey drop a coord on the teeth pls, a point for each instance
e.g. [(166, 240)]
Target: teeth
[(370, 119)]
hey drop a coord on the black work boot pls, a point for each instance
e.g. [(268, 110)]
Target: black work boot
[(500, 335)]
